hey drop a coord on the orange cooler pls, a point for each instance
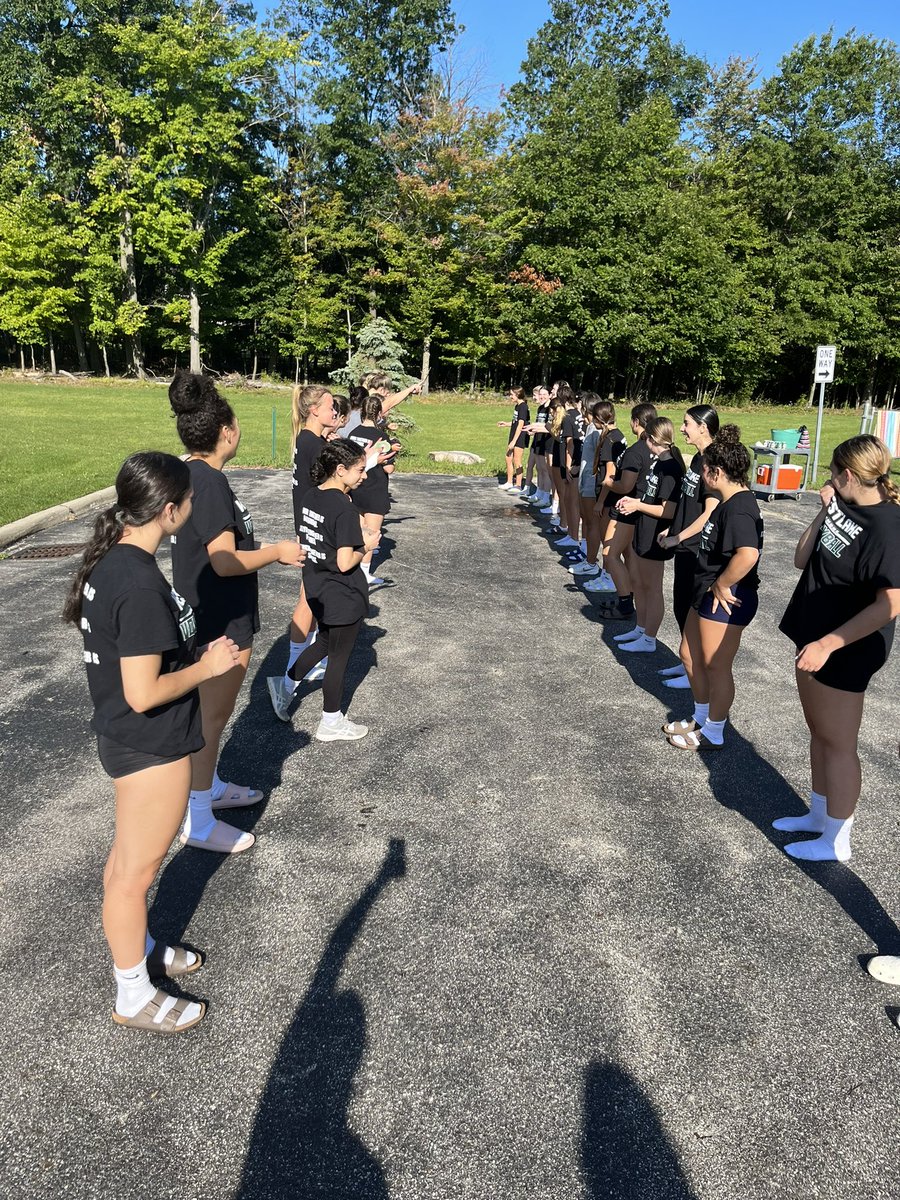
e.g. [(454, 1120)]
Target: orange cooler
[(789, 478)]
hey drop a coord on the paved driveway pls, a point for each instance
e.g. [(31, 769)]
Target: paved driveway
[(509, 946)]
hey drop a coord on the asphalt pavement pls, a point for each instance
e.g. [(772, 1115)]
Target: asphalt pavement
[(510, 945)]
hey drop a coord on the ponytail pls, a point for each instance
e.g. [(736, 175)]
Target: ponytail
[(302, 400), (145, 484)]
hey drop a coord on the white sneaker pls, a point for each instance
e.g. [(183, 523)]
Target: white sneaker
[(317, 672), (280, 695), (596, 584), (550, 510), (514, 491), (342, 731), (606, 581), (564, 541), (584, 568)]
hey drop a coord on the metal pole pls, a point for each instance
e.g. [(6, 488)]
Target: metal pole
[(273, 434), (818, 434)]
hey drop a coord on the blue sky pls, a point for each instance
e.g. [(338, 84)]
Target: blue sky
[(497, 31)]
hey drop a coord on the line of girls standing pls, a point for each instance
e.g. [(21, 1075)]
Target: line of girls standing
[(165, 664), (650, 506)]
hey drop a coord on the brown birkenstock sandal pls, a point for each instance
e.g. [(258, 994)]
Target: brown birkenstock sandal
[(158, 968), (694, 740), (169, 1024), (686, 726)]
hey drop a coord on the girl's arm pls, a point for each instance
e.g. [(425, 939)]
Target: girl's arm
[(808, 538), (694, 528), (348, 557), (664, 511), (396, 398), (145, 688), (741, 563), (883, 609), (604, 487), (520, 425), (625, 484), (226, 560)]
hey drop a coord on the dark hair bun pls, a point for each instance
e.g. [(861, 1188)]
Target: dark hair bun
[(189, 393), (729, 433)]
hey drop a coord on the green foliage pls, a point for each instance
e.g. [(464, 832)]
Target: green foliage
[(378, 350)]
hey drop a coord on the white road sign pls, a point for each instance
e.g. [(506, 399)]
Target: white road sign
[(825, 356)]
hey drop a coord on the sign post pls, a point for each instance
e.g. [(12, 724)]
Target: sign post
[(825, 358)]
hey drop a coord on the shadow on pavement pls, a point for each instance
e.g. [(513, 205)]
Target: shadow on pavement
[(302, 1144), (625, 1153)]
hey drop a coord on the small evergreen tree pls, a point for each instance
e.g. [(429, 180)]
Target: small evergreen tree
[(377, 349)]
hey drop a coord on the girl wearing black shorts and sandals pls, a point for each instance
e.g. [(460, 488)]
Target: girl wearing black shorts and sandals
[(518, 440), (726, 594), (139, 652), (335, 584), (841, 619), (654, 509), (215, 559), (313, 418), (692, 510)]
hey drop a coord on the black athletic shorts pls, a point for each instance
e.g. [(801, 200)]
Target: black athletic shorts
[(741, 614), (540, 443), (848, 669), (118, 760)]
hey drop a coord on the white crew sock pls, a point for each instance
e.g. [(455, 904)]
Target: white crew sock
[(199, 822), (811, 822), (631, 636), (169, 956), (218, 786), (133, 989), (583, 546), (714, 731), (332, 718), (833, 844), (701, 712), (294, 653)]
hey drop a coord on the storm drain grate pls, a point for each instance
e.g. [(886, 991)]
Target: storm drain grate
[(60, 550)]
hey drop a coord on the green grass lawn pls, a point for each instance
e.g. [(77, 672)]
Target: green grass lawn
[(62, 440)]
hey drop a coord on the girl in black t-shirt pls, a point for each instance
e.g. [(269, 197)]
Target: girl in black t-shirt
[(214, 563), (537, 428), (841, 620), (313, 418), (518, 439), (725, 601), (693, 509), (139, 639), (372, 497), (336, 587), (653, 509), (632, 464)]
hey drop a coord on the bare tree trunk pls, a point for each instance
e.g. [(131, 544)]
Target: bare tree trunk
[(296, 369), (52, 354), (22, 358), (349, 337), (80, 347), (253, 376), (126, 264), (195, 331), (105, 361), (33, 367), (426, 364)]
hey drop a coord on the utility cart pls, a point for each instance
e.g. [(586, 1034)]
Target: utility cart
[(773, 474)]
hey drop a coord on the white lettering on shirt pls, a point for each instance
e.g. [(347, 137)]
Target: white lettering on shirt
[(838, 530)]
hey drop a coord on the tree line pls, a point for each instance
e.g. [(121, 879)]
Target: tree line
[(181, 182)]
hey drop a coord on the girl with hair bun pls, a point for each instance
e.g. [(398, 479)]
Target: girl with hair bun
[(143, 675), (726, 593), (335, 584), (841, 620), (215, 559), (692, 510), (655, 508)]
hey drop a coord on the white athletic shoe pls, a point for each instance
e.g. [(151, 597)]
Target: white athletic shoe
[(280, 695), (598, 584), (584, 568), (550, 510), (565, 541), (317, 672), (607, 581), (343, 731)]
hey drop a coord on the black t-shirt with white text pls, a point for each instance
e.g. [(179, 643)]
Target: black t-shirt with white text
[(129, 610), (661, 483), (691, 503), (733, 524), (225, 606), (372, 495), (520, 413), (328, 522), (573, 427), (307, 449), (856, 555)]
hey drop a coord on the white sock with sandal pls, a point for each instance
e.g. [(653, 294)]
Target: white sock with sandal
[(701, 713), (199, 821), (714, 731)]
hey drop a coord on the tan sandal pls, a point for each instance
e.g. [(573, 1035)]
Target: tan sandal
[(693, 740), (686, 726), (237, 795), (169, 1024), (223, 839), (158, 968)]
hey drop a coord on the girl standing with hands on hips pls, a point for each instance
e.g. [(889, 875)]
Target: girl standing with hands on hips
[(215, 560), (139, 640), (726, 594), (335, 585), (841, 619)]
